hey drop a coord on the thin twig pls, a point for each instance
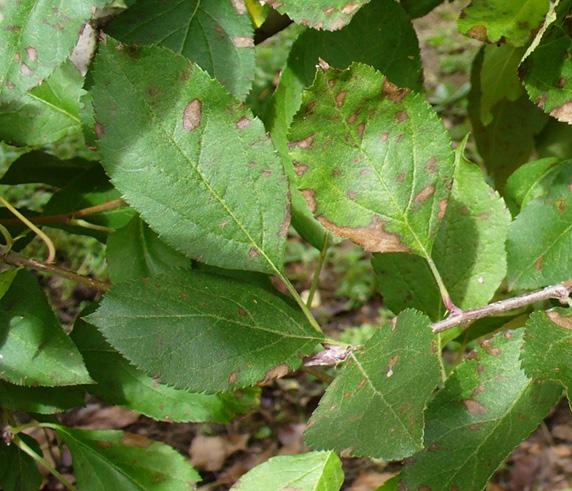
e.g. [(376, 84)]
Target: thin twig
[(16, 259), (559, 292), (22, 219), (332, 354), (66, 218)]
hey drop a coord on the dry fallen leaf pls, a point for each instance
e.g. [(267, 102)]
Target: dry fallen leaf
[(210, 452)]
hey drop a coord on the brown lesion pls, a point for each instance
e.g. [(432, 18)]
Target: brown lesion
[(373, 238), (559, 319)]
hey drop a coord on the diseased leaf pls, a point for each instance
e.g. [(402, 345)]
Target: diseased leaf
[(35, 350), (215, 35), (488, 406), (18, 472), (240, 333), (387, 42), (120, 383), (41, 167), (205, 177), (47, 113), (375, 163), (513, 21), (375, 406), (547, 178), (508, 140), (35, 37), (548, 347), (41, 400), (319, 14), (547, 71), (312, 471), (555, 140), (135, 251), (469, 252), (539, 244), (499, 78), (125, 461)]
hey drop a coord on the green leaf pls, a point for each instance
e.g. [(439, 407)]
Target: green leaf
[(512, 21), (387, 42), (41, 400), (548, 347), (240, 333), (508, 140), (419, 8), (312, 471), (135, 251), (555, 140), (469, 252), (547, 72), (120, 383), (205, 177), (41, 167), (374, 161), (499, 78), (544, 178), (18, 472), (539, 244), (375, 406), (215, 35), (35, 350), (105, 460), (36, 37), (6, 279), (319, 14), (47, 113), (488, 406)]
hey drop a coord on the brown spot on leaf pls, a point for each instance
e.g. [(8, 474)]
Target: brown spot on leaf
[(561, 83), (25, 70), (561, 205), (372, 238), (361, 384), (365, 171), (425, 194), (559, 319), (442, 209), (192, 115), (239, 6), (351, 195), (242, 312), (253, 252), (276, 372), (243, 123), (266, 173), (384, 137), (350, 8), (341, 97), (393, 92), (99, 130), (283, 232), (329, 11), (431, 165), (352, 117), (243, 42), (474, 407), (323, 64), (479, 33), (391, 365), (300, 169), (13, 28), (310, 197), (361, 129), (304, 143), (232, 378), (135, 440), (32, 53), (401, 116), (488, 347), (538, 263)]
